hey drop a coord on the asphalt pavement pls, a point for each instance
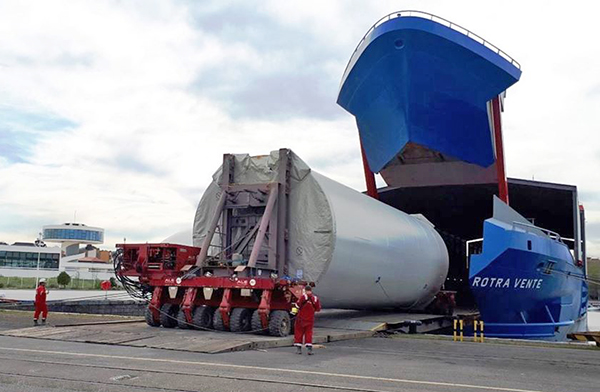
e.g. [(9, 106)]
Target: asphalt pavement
[(374, 364)]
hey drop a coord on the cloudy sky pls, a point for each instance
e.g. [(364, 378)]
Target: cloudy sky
[(121, 110)]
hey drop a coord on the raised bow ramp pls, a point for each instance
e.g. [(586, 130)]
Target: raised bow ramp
[(416, 78)]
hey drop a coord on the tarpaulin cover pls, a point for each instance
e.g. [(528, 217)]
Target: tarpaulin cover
[(311, 224)]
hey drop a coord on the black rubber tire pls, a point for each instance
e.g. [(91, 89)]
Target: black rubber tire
[(168, 315), (150, 318), (257, 324), (202, 318), (240, 320), (279, 323), (182, 321), (218, 321)]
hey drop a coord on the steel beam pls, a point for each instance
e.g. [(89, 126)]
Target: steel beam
[(500, 168), (211, 230), (369, 176), (264, 223), (285, 164)]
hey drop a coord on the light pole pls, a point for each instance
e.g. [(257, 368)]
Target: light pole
[(37, 274)]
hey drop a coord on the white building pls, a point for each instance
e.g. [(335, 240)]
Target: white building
[(87, 262), (71, 235), (22, 260)]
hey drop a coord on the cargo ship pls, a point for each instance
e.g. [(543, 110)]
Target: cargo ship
[(526, 281), (428, 96)]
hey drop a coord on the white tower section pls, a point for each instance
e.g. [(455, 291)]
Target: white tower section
[(71, 235)]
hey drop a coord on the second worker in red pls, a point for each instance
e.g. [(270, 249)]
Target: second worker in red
[(307, 306)]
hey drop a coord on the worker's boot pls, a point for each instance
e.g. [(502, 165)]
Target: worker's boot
[(299, 350), (35, 323), (309, 348)]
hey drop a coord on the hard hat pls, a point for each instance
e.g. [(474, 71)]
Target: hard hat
[(43, 280)]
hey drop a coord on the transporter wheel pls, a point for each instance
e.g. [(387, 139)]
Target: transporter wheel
[(202, 318), (218, 321), (256, 324), (240, 320), (150, 318), (182, 321), (168, 315), (280, 323)]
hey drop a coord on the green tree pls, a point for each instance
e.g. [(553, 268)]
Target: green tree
[(63, 279)]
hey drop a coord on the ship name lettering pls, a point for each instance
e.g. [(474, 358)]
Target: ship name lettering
[(528, 283), (519, 283), (491, 282)]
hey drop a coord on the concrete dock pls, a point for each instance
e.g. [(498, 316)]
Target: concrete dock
[(116, 353), (331, 325), (407, 363)]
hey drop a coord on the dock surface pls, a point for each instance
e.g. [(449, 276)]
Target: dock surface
[(112, 353), (408, 363), (331, 325)]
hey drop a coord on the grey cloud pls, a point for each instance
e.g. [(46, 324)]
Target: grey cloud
[(276, 96), (193, 194), (67, 59), (594, 91), (300, 88), (239, 22), (592, 230), (15, 222), (334, 160), (63, 60), (589, 198), (128, 161)]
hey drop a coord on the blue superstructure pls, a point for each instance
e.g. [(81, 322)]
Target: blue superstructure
[(415, 80), (525, 281)]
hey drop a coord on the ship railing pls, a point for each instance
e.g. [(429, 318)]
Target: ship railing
[(472, 250), (434, 18), (549, 233)]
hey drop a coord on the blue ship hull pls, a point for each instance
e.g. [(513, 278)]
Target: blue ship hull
[(526, 283), (413, 80)]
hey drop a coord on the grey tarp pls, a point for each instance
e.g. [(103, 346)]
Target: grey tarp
[(311, 224)]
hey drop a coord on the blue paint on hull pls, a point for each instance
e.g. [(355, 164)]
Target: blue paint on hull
[(526, 285), (415, 80)]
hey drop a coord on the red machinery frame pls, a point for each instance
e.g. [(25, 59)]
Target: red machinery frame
[(264, 295), (188, 287)]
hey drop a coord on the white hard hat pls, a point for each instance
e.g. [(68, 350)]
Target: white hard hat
[(43, 280)]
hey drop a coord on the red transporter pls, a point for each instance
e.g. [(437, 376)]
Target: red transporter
[(40, 303), (308, 305), (237, 279)]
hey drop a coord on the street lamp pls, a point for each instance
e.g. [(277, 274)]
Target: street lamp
[(37, 274)]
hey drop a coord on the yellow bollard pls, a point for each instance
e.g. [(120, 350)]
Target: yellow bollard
[(475, 330), (461, 322), (454, 333), (481, 326)]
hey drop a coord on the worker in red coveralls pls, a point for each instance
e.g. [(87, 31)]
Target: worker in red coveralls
[(40, 302), (305, 320)]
